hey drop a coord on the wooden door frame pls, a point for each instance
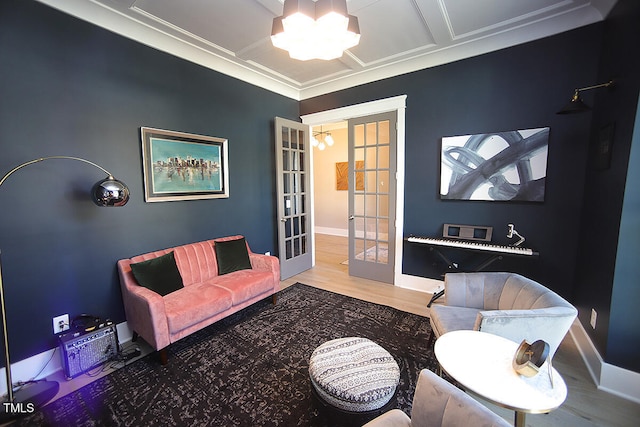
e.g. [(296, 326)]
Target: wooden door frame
[(398, 104)]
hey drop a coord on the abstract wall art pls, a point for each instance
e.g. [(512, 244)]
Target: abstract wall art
[(498, 166)]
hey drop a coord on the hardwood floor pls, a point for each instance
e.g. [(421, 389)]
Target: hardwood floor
[(586, 406)]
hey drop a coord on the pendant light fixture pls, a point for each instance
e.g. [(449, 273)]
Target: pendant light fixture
[(310, 29), (322, 140)]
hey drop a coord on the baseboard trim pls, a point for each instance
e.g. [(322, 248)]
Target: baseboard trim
[(417, 283), (24, 370), (608, 378)]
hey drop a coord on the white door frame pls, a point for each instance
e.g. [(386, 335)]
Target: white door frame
[(398, 104)]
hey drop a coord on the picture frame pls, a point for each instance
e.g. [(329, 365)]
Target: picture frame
[(496, 166), (183, 166)]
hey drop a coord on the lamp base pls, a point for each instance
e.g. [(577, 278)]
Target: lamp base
[(28, 399)]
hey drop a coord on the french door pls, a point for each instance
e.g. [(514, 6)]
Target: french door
[(293, 171), (372, 196)]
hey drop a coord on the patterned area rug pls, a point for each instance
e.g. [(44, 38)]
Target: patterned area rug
[(250, 369)]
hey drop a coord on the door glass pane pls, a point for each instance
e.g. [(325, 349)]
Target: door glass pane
[(303, 224), (295, 166), (371, 158), (370, 205), (383, 182), (296, 246), (296, 182), (294, 140), (359, 156), (358, 135), (288, 249), (285, 161), (287, 205), (287, 227), (300, 140), (359, 227), (383, 132), (383, 157), (302, 178), (358, 204), (370, 181), (371, 136), (302, 204), (286, 178), (359, 245), (301, 162), (285, 137), (383, 205)]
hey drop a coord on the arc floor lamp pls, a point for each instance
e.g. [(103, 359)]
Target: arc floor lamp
[(106, 192)]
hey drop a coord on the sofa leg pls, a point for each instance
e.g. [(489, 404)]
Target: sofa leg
[(134, 336), (274, 298), (164, 356)]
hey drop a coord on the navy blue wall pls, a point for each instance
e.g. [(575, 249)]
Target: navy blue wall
[(517, 88), (607, 252), (71, 88)]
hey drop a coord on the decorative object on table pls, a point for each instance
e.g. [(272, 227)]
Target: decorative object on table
[(576, 105), (104, 193), (321, 29), (248, 369), (497, 166), (530, 357), (183, 166)]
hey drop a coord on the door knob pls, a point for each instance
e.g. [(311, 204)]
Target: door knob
[(351, 218)]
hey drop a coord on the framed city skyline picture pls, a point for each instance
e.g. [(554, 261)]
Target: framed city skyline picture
[(499, 166), (183, 166)]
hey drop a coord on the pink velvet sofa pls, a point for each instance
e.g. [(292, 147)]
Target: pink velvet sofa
[(205, 298)]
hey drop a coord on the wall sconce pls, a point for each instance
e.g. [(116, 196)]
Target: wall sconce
[(326, 140), (576, 105)]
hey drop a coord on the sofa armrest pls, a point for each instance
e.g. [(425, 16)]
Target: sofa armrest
[(549, 324), (144, 309), (266, 262)]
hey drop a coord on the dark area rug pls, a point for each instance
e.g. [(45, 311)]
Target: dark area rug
[(250, 369)]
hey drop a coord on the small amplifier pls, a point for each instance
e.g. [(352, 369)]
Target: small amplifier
[(82, 350)]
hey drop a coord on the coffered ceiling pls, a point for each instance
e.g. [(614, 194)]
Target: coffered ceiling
[(398, 36)]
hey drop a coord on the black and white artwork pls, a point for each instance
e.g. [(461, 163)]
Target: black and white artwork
[(500, 166)]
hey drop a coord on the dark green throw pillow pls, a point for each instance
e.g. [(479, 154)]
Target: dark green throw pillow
[(159, 274), (232, 255)]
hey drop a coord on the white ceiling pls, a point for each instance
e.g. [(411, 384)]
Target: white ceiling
[(398, 36)]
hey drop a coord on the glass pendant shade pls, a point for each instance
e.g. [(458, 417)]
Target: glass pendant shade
[(320, 30)]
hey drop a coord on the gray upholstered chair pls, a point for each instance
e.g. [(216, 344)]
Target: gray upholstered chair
[(438, 403), (505, 304)]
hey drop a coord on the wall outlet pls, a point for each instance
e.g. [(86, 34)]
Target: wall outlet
[(594, 317), (268, 253), (60, 323)]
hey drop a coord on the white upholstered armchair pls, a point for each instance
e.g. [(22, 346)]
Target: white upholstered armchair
[(437, 403), (505, 304)]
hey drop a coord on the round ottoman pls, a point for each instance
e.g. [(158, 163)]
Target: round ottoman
[(353, 374)]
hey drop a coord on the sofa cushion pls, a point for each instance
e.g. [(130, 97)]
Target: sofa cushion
[(245, 284), (159, 274), (232, 255), (447, 318), (194, 304)]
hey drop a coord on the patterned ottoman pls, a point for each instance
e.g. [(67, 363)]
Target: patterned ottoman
[(353, 374)]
